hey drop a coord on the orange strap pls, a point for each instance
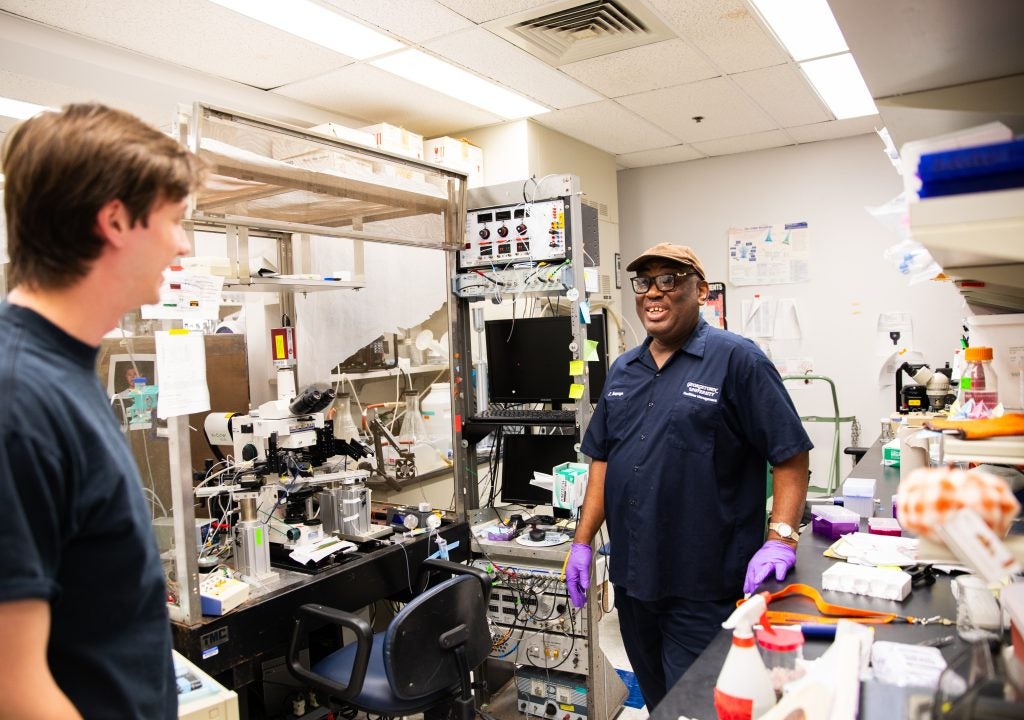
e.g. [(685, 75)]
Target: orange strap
[(829, 613)]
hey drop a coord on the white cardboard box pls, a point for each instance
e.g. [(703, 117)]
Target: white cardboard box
[(459, 155), (396, 140)]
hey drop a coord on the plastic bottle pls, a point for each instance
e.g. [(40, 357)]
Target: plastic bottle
[(436, 409), (344, 427), (782, 650), (979, 383), (744, 688)]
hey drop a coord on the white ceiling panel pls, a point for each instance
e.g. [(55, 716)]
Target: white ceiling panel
[(784, 94), (639, 69), (378, 96), (660, 156), (608, 126), (725, 31), (744, 143), (493, 57), (414, 20), (193, 33), (835, 129), (725, 110), (480, 11)]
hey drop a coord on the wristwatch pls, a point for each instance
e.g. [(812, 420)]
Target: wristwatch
[(784, 530)]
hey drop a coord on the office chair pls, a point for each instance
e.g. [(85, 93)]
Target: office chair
[(421, 660)]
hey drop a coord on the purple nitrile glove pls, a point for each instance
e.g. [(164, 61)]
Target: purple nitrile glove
[(577, 573), (773, 555)]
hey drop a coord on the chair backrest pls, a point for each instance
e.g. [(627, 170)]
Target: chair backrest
[(416, 663)]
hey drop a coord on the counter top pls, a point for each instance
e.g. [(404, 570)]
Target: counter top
[(692, 696)]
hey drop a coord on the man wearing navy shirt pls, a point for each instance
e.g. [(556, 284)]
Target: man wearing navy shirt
[(95, 200), (679, 445)]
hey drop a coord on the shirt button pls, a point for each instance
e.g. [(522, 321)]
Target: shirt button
[(643, 437), (633, 503), (650, 404), (636, 468)]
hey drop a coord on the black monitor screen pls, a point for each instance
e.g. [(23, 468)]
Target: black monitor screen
[(521, 455), (528, 359)]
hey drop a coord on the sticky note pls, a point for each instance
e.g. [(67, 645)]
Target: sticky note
[(585, 312), (575, 391), (590, 350), (575, 367)]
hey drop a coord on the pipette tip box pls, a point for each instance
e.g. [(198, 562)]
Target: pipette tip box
[(833, 521)]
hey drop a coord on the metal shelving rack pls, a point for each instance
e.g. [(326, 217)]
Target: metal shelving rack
[(605, 691)]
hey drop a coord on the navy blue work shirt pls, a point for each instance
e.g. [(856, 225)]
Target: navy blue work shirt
[(687, 447)]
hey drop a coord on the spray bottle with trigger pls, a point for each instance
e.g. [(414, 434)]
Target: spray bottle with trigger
[(744, 688)]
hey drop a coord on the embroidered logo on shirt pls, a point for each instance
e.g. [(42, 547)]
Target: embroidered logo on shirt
[(615, 393), (701, 392)]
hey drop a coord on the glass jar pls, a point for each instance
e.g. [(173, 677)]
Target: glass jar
[(978, 383), (782, 650)]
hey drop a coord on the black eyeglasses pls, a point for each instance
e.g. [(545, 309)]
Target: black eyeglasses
[(665, 283)]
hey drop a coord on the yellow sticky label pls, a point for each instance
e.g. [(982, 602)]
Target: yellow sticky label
[(575, 367), (279, 346), (575, 391), (178, 331)]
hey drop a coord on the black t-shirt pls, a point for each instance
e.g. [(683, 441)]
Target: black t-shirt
[(76, 531)]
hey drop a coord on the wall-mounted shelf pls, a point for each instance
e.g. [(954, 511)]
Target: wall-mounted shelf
[(977, 238), (281, 284), (390, 372)]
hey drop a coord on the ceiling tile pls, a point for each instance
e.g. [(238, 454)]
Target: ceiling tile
[(414, 20), (499, 60), (607, 126), (193, 33), (638, 69), (784, 94), (725, 110), (725, 31), (365, 91), (835, 129), (744, 143), (483, 10), (660, 156)]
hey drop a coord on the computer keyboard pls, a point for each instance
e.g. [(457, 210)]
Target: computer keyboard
[(520, 416)]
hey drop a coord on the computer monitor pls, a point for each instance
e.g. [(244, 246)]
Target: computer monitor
[(521, 455), (528, 359)]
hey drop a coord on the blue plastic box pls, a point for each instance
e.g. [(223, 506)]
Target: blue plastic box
[(974, 169)]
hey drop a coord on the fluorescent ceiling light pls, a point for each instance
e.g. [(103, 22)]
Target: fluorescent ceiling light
[(840, 85), (315, 23), (18, 109), (436, 74), (806, 28)]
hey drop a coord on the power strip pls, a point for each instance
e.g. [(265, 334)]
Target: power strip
[(218, 595), (546, 280)]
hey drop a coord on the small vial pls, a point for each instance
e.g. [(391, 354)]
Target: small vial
[(782, 650)]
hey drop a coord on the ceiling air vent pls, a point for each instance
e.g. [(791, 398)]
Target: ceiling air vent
[(571, 31)]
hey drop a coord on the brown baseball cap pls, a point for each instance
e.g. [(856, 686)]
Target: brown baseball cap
[(667, 251)]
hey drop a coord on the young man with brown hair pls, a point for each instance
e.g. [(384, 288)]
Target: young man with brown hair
[(95, 200)]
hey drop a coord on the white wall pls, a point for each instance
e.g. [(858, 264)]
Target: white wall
[(828, 184)]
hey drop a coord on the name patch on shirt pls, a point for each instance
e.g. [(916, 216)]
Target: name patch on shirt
[(701, 392), (615, 393)]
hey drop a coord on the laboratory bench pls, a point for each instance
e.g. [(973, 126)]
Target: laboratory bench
[(231, 647), (692, 695)]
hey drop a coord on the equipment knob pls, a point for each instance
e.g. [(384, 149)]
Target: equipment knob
[(249, 452), (550, 709), (503, 231), (484, 233), (521, 228)]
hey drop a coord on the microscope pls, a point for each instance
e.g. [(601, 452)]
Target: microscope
[(930, 389)]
